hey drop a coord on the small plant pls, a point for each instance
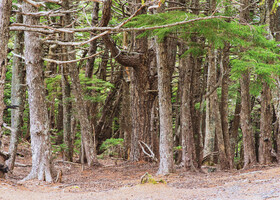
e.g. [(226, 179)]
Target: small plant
[(113, 147)]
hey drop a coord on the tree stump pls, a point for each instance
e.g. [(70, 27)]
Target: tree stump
[(3, 167)]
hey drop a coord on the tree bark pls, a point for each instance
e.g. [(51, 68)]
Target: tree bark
[(224, 103), (5, 13), (265, 144), (165, 108), (17, 94), (93, 44), (87, 129), (141, 83), (186, 65), (39, 124), (210, 107), (67, 107), (245, 118)]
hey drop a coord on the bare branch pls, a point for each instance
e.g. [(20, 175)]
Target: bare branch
[(63, 30), (70, 61), (7, 127), (35, 4), (151, 154)]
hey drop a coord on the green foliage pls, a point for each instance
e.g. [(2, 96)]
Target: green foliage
[(148, 178), (252, 50), (113, 147), (100, 88)]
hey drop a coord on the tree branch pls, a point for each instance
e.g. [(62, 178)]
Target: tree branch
[(71, 61), (118, 28)]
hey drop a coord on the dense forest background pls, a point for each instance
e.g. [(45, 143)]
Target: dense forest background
[(185, 82)]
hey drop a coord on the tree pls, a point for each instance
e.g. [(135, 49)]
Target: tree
[(5, 13), (39, 124), (245, 117), (17, 94), (165, 106)]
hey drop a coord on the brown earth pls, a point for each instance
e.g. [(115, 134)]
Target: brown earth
[(117, 179)]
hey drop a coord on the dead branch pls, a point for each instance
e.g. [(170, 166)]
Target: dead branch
[(35, 4), (22, 165), (70, 61), (151, 154)]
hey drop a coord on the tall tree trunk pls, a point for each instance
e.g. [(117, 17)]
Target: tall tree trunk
[(5, 13), (210, 107), (265, 145), (235, 126), (224, 103), (87, 129), (141, 84), (125, 119), (39, 124), (165, 108), (245, 117), (93, 44), (188, 148), (67, 106), (17, 94)]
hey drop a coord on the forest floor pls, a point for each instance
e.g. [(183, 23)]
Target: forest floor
[(117, 180)]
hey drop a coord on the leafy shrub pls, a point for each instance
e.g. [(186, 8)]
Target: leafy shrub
[(113, 147)]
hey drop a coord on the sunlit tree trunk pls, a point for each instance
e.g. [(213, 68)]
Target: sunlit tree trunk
[(39, 122), (165, 108), (210, 105)]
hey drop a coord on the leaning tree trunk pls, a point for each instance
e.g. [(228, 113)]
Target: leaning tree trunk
[(39, 124), (165, 108), (5, 13), (17, 94)]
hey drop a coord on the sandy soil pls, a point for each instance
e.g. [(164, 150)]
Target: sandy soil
[(118, 179)]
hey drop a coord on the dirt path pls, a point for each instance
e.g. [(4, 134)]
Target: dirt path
[(119, 180), (254, 185)]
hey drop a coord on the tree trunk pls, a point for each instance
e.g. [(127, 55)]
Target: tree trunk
[(141, 84), (235, 126), (245, 117), (165, 108), (39, 124), (5, 13), (210, 108), (87, 130), (67, 106), (265, 145), (188, 149), (93, 44), (17, 94), (125, 119), (224, 103)]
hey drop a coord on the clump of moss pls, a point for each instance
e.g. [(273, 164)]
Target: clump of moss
[(147, 178)]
